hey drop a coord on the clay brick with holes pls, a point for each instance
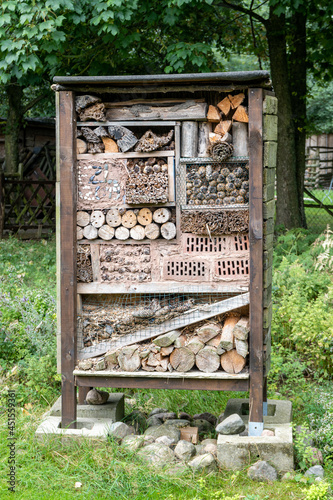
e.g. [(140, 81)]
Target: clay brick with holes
[(185, 270), (232, 268), (219, 244)]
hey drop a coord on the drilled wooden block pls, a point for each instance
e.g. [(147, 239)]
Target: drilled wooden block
[(270, 150), (268, 259), (267, 295), (267, 318), (268, 276), (268, 241), (270, 105), (268, 226), (270, 128), (269, 209), (269, 192), (269, 175)]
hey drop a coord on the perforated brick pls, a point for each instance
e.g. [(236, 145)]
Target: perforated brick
[(177, 269), (229, 268)]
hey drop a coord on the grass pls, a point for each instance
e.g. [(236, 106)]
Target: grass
[(50, 471)]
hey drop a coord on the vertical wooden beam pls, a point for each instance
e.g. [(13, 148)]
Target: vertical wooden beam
[(83, 391), (256, 260), (68, 288)]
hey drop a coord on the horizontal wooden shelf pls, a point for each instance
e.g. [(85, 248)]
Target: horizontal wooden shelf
[(193, 380), (130, 241), (159, 287), (129, 123), (238, 206), (132, 154)]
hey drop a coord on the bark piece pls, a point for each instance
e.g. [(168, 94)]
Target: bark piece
[(213, 114), (95, 147), (94, 112), (110, 145), (189, 143), (162, 215), (207, 360), (82, 218), (242, 347), (106, 232), (240, 139), (225, 106), (223, 127), (129, 359), (168, 230), (205, 129), (101, 132), (113, 217), (182, 359), (122, 233), (208, 331), (97, 218), (151, 142), (241, 115), (137, 232), (90, 232), (124, 137), (152, 231), (232, 362), (83, 101), (81, 147), (129, 219), (167, 339), (227, 336), (90, 135), (242, 328), (145, 216)]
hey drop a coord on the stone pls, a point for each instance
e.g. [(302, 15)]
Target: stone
[(231, 425), (96, 397), (137, 419), (204, 426), (153, 421), (178, 422), (208, 441), (206, 416), (119, 430), (262, 471), (184, 450), (158, 410), (164, 430), (205, 462), (184, 416), (220, 418), (199, 450), (132, 443), (267, 432), (148, 440), (165, 416), (157, 454), (279, 411), (165, 440), (100, 365), (210, 448), (85, 364), (315, 470)]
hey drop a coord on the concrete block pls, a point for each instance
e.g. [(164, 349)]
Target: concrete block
[(279, 411), (270, 151), (268, 259), (268, 191), (269, 226), (268, 273), (267, 295), (270, 105), (237, 452), (268, 315), (87, 428), (269, 209), (268, 241), (270, 128), (269, 175), (113, 409)]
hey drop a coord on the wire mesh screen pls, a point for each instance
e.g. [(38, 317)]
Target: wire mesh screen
[(206, 183), (124, 319)]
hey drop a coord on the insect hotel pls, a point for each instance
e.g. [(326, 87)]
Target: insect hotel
[(166, 204)]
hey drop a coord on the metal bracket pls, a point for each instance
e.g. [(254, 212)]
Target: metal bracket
[(256, 428), (265, 408)]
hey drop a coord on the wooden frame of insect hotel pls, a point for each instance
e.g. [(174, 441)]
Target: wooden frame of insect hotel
[(165, 233)]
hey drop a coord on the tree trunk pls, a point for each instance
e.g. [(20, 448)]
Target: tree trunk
[(298, 87), (13, 125), (287, 210)]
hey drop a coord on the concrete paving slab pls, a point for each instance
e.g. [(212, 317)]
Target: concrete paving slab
[(88, 428), (113, 409), (236, 452), (278, 411)]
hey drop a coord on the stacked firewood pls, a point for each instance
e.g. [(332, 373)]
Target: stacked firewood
[(123, 224), (147, 181), (218, 222), (217, 184), (210, 347)]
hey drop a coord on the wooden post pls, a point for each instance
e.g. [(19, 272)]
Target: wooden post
[(83, 391), (68, 288), (256, 261)]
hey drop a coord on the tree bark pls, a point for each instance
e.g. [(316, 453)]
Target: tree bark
[(287, 211), (13, 125)]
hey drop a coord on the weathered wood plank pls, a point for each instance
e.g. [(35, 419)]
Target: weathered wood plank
[(256, 254), (102, 288), (129, 124), (131, 154), (194, 374), (190, 317), (68, 299)]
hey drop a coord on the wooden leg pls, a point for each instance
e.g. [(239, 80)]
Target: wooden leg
[(83, 391), (265, 408)]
